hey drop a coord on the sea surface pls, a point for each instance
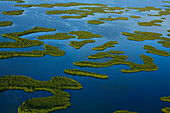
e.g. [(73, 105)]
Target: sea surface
[(140, 92)]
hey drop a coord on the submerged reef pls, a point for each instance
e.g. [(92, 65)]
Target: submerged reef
[(111, 19), (106, 45), (133, 16), (21, 42), (85, 34), (5, 23), (59, 100), (97, 22), (153, 50), (124, 111), (15, 12), (134, 67), (59, 5), (141, 36), (151, 23), (79, 44), (49, 50), (85, 73), (57, 36)]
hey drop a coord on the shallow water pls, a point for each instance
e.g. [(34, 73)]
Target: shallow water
[(138, 92)]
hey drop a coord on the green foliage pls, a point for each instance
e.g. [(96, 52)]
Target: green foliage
[(147, 66), (17, 1), (111, 19), (141, 36), (79, 44), (164, 43), (57, 36), (165, 110), (106, 45), (59, 5), (153, 50), (116, 52), (105, 54), (166, 1), (85, 34), (133, 16), (124, 111), (151, 23), (85, 73), (60, 99), (15, 12), (5, 23), (49, 50), (161, 13), (147, 8), (95, 22), (21, 42)]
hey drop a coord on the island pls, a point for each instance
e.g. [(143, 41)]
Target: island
[(134, 67), (15, 12), (165, 43), (85, 73), (97, 22), (106, 45), (165, 99), (79, 44), (49, 50), (5, 23), (111, 19), (153, 50), (124, 111), (133, 16), (21, 42), (151, 23), (59, 100)]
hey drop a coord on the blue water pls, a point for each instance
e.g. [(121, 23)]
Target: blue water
[(138, 92)]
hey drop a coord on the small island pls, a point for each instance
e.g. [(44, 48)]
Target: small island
[(151, 23), (85, 34), (165, 99), (134, 67), (85, 73), (79, 44), (97, 22), (141, 36), (133, 16), (106, 45), (59, 100), (112, 19), (124, 111), (147, 8), (15, 12), (153, 50), (165, 43), (49, 50), (5, 23), (21, 42), (57, 36)]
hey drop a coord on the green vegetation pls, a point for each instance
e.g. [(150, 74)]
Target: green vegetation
[(151, 23), (59, 5), (15, 12), (163, 18), (79, 44), (161, 13), (147, 8), (127, 10), (5, 23), (164, 43), (133, 16), (57, 36), (124, 111), (105, 54), (95, 22), (153, 50), (166, 1), (59, 100), (166, 109), (85, 73), (134, 67), (111, 19), (116, 52), (106, 45), (85, 34), (21, 42), (141, 36), (49, 50)]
